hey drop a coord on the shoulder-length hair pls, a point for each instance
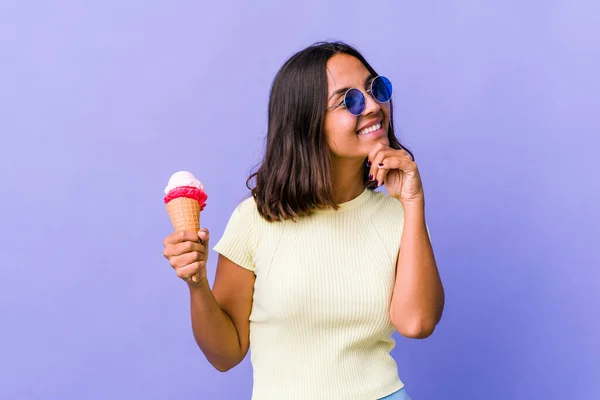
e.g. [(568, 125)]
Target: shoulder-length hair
[(294, 177)]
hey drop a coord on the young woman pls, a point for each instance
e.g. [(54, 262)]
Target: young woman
[(317, 269)]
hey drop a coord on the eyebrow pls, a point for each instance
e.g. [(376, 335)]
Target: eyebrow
[(344, 90)]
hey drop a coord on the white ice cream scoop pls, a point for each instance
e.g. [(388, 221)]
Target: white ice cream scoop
[(183, 178)]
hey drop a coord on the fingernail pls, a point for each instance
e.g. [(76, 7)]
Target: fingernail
[(381, 164), (370, 177), (368, 163)]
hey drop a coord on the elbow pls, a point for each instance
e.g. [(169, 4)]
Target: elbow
[(415, 328), (417, 332), (224, 366), (222, 362)]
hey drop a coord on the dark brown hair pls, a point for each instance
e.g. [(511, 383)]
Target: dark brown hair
[(294, 177)]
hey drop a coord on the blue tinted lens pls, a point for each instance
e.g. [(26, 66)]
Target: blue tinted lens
[(354, 101), (381, 89)]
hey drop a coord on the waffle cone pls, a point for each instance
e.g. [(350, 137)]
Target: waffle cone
[(184, 214)]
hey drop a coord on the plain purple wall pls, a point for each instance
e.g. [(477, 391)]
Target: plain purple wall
[(101, 101)]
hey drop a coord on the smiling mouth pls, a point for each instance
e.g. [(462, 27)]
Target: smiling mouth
[(370, 129)]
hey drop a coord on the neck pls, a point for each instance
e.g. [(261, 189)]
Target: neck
[(347, 179)]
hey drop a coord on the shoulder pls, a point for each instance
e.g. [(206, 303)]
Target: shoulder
[(386, 205), (385, 211), (248, 205), (246, 209)]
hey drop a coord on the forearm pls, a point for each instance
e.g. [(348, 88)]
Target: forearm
[(418, 296), (214, 331)]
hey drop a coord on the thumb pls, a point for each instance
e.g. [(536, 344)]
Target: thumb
[(204, 235)]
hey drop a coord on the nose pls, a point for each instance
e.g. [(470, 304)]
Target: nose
[(371, 106)]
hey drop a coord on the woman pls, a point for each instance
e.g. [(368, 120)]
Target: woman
[(316, 269)]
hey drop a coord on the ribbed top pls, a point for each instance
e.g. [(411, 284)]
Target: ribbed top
[(320, 325)]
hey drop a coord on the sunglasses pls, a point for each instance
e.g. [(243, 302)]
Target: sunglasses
[(355, 101)]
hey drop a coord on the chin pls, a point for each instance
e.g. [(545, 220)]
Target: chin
[(383, 139)]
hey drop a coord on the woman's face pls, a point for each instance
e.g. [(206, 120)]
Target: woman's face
[(349, 136)]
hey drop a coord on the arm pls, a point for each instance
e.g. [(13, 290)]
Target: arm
[(221, 317), (418, 297)]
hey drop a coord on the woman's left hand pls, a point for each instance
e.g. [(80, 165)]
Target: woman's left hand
[(399, 173)]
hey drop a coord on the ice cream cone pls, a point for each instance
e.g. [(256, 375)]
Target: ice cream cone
[(184, 214), (185, 199)]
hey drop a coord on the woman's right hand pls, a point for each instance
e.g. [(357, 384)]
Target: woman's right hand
[(187, 253)]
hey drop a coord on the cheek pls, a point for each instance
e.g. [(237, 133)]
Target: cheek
[(340, 131), (385, 109), (339, 125)]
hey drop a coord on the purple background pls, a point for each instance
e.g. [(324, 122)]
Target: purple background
[(101, 101)]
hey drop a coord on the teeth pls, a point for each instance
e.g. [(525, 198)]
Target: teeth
[(369, 130)]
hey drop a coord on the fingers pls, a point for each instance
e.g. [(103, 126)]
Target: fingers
[(204, 236), (197, 270), (174, 250), (374, 169), (191, 272), (187, 253), (187, 258), (376, 156), (384, 159), (400, 160), (180, 236), (182, 242), (381, 171)]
